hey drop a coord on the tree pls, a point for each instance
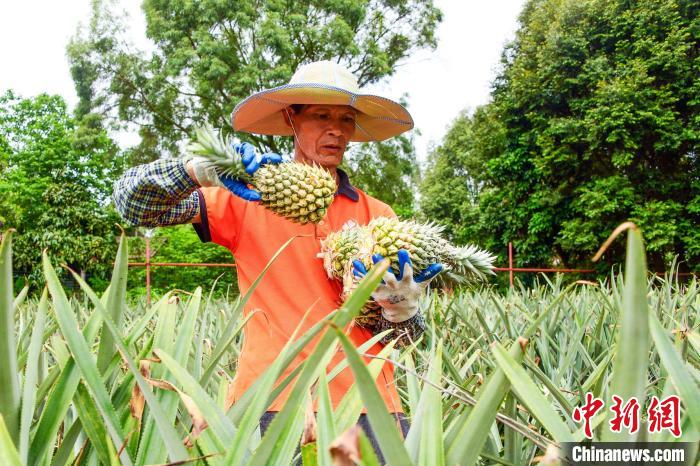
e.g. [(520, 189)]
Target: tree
[(598, 120), (386, 170), (209, 55), (455, 175), (56, 179)]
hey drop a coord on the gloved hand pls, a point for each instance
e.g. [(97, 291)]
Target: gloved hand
[(207, 175), (399, 292)]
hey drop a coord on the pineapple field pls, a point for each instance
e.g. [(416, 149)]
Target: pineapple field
[(496, 379)]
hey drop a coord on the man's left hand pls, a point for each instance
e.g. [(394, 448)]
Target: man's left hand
[(400, 291)]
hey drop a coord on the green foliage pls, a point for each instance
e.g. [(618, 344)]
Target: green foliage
[(181, 244), (594, 120), (209, 55), (56, 176), (454, 179), (386, 170)]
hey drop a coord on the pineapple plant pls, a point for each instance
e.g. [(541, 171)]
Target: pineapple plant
[(386, 236), (168, 367), (296, 191)]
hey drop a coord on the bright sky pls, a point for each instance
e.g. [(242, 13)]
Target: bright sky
[(439, 84)]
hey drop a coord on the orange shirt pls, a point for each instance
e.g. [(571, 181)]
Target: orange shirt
[(295, 282)]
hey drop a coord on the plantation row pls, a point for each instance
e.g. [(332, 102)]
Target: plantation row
[(496, 379)]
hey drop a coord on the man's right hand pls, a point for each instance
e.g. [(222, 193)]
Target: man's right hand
[(204, 172)]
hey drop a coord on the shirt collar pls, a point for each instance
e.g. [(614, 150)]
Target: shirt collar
[(345, 188)]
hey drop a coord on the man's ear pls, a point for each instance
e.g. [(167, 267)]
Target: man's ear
[(287, 113)]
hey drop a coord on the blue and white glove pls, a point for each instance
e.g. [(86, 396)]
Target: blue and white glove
[(207, 176), (400, 292)]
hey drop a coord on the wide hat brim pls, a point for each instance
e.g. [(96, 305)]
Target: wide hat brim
[(378, 118)]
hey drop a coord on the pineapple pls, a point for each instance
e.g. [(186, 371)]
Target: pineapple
[(299, 192), (386, 236), (341, 247), (350, 242), (426, 246)]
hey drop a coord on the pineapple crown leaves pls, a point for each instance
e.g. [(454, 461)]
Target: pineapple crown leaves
[(219, 151), (472, 261)]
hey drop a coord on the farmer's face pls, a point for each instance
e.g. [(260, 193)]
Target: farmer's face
[(322, 133)]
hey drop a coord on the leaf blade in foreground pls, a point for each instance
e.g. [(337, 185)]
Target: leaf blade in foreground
[(9, 394), (629, 373), (531, 396), (383, 425)]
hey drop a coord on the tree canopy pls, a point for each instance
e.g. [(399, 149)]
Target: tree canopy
[(209, 55), (594, 120), (56, 176)]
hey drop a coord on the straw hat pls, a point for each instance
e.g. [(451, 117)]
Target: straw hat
[(322, 82)]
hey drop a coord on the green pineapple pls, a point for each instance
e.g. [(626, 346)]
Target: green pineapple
[(426, 246), (341, 247), (297, 191)]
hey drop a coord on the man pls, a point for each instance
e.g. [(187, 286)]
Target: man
[(323, 109)]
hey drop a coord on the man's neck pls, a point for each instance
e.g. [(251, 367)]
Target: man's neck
[(334, 171)]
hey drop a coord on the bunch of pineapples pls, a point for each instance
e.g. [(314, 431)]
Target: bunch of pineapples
[(386, 236), (299, 192)]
